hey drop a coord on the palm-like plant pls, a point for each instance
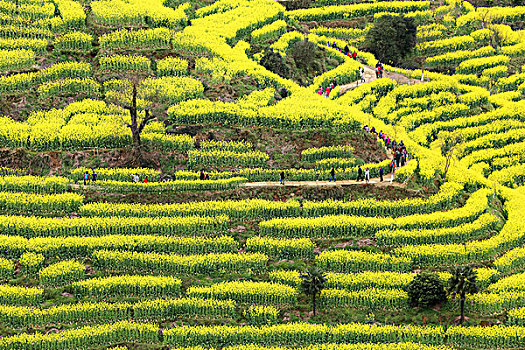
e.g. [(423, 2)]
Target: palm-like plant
[(312, 283), (463, 281)]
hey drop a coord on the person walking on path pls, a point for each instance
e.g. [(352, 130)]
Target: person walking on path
[(146, 180), (381, 174), (332, 175), (93, 176), (362, 74), (359, 173), (86, 178), (327, 91), (201, 175), (393, 171), (282, 178), (367, 175), (135, 178)]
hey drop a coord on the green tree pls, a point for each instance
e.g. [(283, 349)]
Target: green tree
[(274, 62), (312, 283), (391, 38), (426, 290), (464, 280), (304, 53)]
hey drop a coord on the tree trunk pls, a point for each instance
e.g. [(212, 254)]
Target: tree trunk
[(133, 115), (135, 127), (462, 302), (447, 165), (313, 299), (136, 139)]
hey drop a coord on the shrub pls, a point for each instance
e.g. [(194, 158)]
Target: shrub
[(274, 62), (426, 290)]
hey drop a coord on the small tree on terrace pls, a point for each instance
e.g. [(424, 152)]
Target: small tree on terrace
[(463, 281), (451, 143), (312, 283)]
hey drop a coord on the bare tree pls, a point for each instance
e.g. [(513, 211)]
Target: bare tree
[(451, 143), (129, 99), (135, 126)]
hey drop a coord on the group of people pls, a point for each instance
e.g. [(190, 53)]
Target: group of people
[(87, 178), (329, 88), (136, 178), (379, 70), (366, 174), (345, 50), (399, 150), (203, 175)]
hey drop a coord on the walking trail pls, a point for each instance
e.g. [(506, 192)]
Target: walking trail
[(325, 183), (388, 180), (373, 181), (370, 75)]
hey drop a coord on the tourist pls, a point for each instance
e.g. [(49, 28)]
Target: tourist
[(332, 175), (362, 74), (93, 176), (327, 91), (201, 175), (367, 175), (145, 179), (135, 178), (282, 177), (381, 174), (359, 173), (86, 178)]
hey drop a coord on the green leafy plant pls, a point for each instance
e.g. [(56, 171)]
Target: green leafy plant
[(312, 283), (426, 290), (464, 281)]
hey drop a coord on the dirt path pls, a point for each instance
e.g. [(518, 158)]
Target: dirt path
[(374, 182), (370, 75), (387, 181)]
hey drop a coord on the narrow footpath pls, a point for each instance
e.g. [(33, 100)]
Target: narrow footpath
[(370, 75)]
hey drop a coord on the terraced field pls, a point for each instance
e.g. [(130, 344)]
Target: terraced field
[(187, 240)]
